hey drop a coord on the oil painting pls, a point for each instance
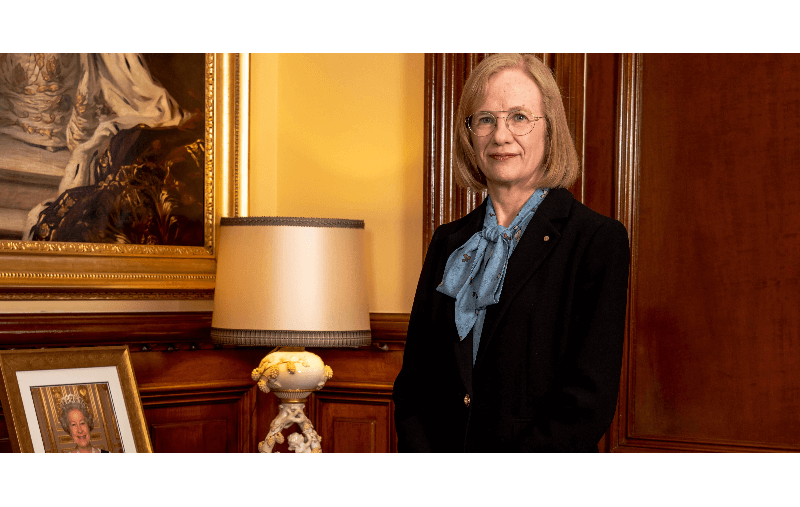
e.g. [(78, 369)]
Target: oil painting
[(115, 169), (102, 148)]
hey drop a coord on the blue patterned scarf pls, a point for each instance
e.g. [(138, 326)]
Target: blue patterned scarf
[(475, 271)]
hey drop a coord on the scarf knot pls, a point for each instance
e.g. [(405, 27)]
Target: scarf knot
[(494, 233), (475, 271)]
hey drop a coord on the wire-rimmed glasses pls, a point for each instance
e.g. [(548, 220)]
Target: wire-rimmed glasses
[(518, 122)]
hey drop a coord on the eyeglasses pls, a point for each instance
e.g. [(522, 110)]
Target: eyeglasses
[(484, 123)]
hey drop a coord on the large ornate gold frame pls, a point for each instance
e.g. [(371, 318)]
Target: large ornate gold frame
[(13, 361), (52, 270)]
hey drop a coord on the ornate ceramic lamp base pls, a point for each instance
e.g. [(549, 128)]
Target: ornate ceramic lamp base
[(292, 413), (292, 373)]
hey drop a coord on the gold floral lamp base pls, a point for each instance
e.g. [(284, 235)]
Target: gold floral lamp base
[(292, 373)]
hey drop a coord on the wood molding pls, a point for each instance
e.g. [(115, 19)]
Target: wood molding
[(569, 70), (626, 211), (151, 331), (443, 200), (156, 330), (178, 394), (662, 445), (389, 330), (360, 387)]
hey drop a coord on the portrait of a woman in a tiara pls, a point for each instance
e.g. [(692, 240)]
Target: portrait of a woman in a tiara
[(76, 419)]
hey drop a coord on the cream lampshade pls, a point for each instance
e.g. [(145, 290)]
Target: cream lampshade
[(291, 283)]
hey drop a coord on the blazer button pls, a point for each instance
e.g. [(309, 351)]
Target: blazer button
[(547, 238), (466, 399)]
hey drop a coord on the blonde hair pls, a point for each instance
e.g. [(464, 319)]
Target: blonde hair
[(560, 162)]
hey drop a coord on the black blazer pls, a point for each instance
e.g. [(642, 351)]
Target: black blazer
[(547, 372)]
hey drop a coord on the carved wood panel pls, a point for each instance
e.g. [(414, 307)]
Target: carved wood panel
[(708, 157), (201, 435), (355, 423)]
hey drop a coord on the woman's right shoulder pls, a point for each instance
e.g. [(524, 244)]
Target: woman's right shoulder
[(445, 230)]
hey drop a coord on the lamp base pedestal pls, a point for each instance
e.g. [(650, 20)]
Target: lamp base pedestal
[(292, 373), (292, 413)]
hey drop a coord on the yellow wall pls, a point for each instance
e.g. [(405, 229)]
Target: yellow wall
[(341, 136)]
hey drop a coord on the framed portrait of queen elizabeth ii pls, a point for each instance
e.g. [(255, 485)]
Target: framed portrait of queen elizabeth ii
[(77, 418), (114, 171), (72, 401)]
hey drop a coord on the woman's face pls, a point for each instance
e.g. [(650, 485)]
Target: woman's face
[(78, 429), (508, 160)]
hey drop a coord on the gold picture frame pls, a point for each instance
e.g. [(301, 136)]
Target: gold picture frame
[(26, 375), (45, 270)]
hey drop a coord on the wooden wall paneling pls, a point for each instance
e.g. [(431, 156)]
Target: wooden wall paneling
[(217, 417), (5, 442), (205, 396), (199, 431), (443, 201), (598, 180), (569, 70), (626, 205), (597, 144), (153, 330), (354, 423), (248, 437), (200, 398), (713, 353)]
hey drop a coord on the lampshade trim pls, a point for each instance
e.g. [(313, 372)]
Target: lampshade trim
[(294, 222), (260, 337)]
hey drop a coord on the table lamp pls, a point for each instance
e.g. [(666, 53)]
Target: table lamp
[(291, 283)]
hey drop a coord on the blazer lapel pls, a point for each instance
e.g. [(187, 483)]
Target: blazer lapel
[(474, 223), (462, 349), (540, 237)]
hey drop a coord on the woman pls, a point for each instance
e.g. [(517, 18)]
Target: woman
[(515, 337), (76, 420)]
